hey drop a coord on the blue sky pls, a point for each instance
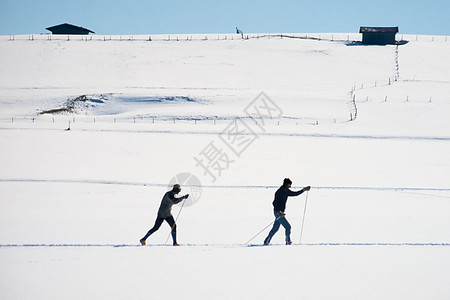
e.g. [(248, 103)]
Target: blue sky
[(201, 16)]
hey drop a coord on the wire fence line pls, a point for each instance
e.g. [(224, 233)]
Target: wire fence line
[(352, 103), (338, 37), (406, 97), (73, 120), (185, 37)]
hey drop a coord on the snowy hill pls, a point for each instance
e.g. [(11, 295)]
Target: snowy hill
[(366, 126), (312, 80)]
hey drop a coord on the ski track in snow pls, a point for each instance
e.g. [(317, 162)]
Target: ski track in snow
[(307, 135), (130, 183), (332, 244)]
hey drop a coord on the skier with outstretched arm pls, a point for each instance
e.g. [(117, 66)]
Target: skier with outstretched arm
[(164, 213), (279, 206)]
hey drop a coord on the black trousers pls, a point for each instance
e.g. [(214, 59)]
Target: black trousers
[(158, 224)]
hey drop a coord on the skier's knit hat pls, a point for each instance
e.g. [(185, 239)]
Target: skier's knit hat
[(287, 181), (177, 186)]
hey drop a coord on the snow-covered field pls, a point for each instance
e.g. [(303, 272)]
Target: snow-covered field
[(240, 115)]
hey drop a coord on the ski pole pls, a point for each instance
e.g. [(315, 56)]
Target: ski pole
[(304, 214), (262, 230), (176, 219)]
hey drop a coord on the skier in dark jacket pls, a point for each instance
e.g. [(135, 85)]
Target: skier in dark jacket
[(279, 206), (164, 213)]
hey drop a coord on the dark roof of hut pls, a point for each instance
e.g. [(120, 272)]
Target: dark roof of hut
[(378, 30)]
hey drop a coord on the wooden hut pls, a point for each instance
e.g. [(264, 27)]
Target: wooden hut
[(378, 35)]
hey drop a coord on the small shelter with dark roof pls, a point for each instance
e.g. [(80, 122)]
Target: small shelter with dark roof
[(68, 29), (378, 35)]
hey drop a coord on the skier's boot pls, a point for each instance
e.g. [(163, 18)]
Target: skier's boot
[(142, 241), (176, 244), (288, 242)]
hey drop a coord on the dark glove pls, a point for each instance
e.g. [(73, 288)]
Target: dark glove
[(306, 188), (186, 196), (281, 214)]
